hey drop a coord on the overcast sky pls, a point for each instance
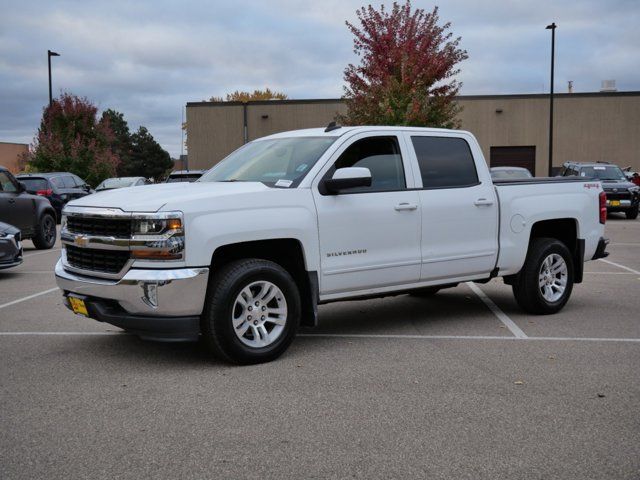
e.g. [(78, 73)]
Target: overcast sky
[(147, 59)]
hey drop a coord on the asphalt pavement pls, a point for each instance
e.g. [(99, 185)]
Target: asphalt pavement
[(462, 385)]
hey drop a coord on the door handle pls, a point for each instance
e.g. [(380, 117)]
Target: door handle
[(406, 206), (483, 202)]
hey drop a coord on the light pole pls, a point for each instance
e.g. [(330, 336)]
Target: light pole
[(49, 55), (551, 27)]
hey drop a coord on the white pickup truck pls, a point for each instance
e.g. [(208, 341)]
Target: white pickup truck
[(243, 256)]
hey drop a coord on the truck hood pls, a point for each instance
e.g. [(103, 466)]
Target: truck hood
[(151, 198), (609, 185)]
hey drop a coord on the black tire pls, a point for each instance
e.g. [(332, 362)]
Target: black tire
[(632, 214), (526, 288), (224, 287), (45, 237), (424, 292)]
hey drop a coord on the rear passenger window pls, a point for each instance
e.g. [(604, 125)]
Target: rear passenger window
[(57, 182), (381, 155), (445, 162)]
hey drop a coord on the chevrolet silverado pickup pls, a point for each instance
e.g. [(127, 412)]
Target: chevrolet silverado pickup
[(243, 256)]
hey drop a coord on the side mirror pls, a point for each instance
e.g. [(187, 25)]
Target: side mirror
[(21, 187), (345, 178)]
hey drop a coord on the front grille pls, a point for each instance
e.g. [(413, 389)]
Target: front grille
[(103, 261), (107, 227), (618, 195)]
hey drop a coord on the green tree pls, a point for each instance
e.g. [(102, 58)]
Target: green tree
[(405, 76), (148, 158), (121, 145), (71, 139)]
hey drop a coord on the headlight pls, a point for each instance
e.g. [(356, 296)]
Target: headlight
[(634, 189), (157, 236)]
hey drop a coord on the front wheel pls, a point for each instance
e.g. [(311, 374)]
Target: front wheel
[(632, 214), (45, 237), (252, 311), (545, 282)]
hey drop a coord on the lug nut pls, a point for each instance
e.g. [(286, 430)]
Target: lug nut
[(264, 308), (262, 318), (255, 322), (250, 308), (257, 303), (249, 317)]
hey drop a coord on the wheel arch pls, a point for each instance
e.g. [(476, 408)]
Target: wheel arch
[(565, 230), (286, 252)]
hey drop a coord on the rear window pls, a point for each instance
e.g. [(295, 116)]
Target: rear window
[(445, 162), (184, 178), (35, 184)]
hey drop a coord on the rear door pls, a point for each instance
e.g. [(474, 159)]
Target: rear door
[(459, 206), (369, 236)]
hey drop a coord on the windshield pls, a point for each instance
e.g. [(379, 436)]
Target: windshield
[(610, 172), (510, 174), (281, 162), (116, 183)]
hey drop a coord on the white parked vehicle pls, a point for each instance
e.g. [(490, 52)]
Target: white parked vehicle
[(243, 256)]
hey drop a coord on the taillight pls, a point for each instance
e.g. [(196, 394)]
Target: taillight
[(45, 193), (603, 208)]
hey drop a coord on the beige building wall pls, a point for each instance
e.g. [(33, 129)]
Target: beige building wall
[(587, 126), (213, 132), (10, 153)]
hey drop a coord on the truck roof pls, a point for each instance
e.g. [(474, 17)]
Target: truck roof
[(337, 132)]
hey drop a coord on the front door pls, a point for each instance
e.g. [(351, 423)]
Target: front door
[(16, 208), (369, 236)]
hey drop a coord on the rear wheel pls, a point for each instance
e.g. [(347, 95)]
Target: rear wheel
[(252, 311), (545, 282), (45, 238), (632, 214)]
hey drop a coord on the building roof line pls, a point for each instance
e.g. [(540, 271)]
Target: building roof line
[(632, 93)]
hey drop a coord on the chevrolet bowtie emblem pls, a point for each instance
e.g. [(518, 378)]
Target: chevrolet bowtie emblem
[(81, 241)]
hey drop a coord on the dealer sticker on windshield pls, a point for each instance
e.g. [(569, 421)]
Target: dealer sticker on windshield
[(284, 183)]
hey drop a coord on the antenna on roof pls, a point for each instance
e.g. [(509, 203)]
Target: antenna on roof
[(332, 126)]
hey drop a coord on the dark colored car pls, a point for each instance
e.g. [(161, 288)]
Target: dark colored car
[(32, 214), (509, 173), (622, 195), (121, 182), (185, 176), (10, 246), (58, 187)]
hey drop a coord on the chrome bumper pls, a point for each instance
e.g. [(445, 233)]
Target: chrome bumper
[(162, 293)]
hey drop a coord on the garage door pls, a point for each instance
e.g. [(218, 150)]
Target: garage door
[(524, 157)]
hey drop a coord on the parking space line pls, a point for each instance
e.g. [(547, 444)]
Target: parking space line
[(515, 329), (610, 273), (620, 266), (24, 299), (27, 255), (625, 244), (469, 337), (362, 336)]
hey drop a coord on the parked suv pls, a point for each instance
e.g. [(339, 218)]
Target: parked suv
[(58, 187), (32, 214), (622, 195)]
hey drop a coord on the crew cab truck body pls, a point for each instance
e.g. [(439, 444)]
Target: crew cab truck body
[(243, 256)]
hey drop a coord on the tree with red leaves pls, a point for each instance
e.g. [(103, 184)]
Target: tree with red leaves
[(406, 72), (72, 139)]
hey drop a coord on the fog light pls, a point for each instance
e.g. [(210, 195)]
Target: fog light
[(150, 294)]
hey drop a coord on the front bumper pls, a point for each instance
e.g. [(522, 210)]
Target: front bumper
[(10, 251), (153, 303)]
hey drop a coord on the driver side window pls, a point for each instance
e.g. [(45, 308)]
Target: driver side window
[(381, 155)]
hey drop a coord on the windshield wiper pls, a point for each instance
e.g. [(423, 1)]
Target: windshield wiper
[(230, 180)]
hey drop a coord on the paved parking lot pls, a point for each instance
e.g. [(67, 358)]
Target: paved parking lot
[(461, 385)]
